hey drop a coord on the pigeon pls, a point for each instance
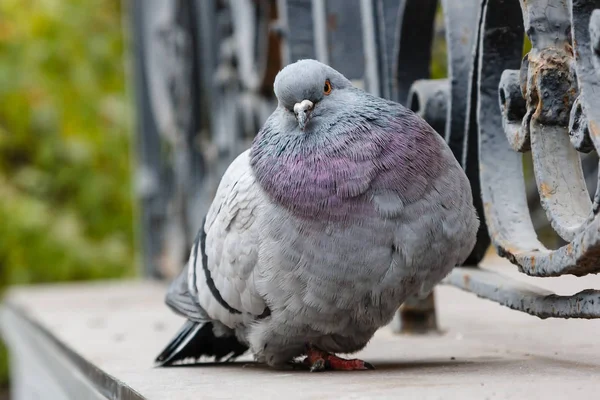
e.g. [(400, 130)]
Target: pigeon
[(344, 206)]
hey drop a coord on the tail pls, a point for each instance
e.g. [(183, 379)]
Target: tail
[(197, 339)]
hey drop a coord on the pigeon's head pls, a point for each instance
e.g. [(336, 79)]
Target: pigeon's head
[(308, 89)]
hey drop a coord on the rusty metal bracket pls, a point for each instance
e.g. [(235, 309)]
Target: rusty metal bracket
[(524, 297), (549, 86)]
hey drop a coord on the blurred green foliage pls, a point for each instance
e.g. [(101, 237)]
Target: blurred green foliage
[(65, 179), (439, 51)]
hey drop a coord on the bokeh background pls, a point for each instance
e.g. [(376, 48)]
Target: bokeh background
[(66, 201)]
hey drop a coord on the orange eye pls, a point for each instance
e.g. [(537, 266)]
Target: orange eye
[(327, 87)]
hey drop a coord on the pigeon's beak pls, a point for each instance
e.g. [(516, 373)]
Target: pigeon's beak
[(302, 111)]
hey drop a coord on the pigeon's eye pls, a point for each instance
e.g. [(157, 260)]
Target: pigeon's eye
[(327, 87)]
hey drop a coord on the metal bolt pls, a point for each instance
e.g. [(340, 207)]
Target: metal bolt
[(416, 316), (578, 129)]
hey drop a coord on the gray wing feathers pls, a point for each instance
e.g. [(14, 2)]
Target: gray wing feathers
[(182, 302), (232, 243)]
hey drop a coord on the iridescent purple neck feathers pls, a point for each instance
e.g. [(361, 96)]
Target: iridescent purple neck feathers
[(368, 146)]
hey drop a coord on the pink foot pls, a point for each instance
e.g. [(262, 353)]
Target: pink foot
[(319, 360)]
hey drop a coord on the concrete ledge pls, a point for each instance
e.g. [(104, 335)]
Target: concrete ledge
[(44, 367), (98, 340)]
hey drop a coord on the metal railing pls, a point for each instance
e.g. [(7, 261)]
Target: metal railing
[(204, 71)]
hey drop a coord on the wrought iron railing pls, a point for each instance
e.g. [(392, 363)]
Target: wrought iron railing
[(204, 71)]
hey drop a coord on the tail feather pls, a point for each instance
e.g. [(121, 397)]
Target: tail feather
[(197, 339)]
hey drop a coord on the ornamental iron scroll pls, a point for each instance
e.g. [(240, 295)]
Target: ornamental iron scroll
[(527, 105), (548, 81), (219, 57)]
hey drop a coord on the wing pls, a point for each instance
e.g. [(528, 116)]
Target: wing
[(223, 259), (182, 302)]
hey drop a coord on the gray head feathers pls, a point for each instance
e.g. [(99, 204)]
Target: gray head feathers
[(305, 80)]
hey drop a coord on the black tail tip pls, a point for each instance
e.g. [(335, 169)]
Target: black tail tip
[(195, 340)]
